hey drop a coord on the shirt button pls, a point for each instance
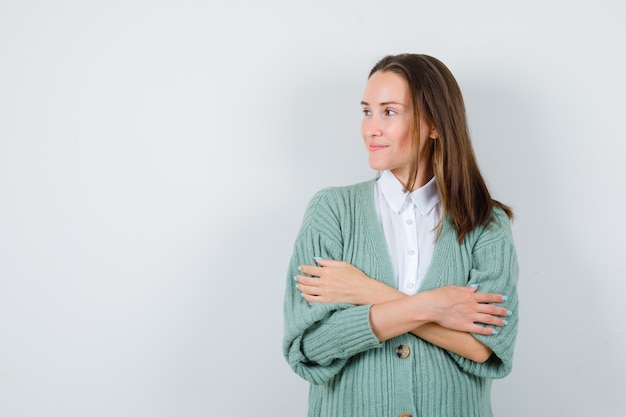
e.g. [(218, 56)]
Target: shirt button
[(405, 415), (409, 221), (411, 252), (403, 351)]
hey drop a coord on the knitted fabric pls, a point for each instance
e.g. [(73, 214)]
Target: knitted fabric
[(333, 346)]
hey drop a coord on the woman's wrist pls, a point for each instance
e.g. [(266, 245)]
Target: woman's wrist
[(384, 293), (421, 310)]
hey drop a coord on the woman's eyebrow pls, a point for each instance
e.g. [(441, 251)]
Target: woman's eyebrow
[(384, 103)]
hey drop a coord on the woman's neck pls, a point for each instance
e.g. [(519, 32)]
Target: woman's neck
[(422, 178)]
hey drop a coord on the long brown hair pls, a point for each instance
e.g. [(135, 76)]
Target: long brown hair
[(437, 97)]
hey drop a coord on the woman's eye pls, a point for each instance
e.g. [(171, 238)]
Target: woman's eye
[(390, 112), (367, 112)]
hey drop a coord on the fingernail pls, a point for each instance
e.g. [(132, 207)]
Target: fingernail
[(299, 268), (495, 332), (504, 298), (295, 278), (318, 258), (302, 294), (504, 322), (474, 285), (509, 313)]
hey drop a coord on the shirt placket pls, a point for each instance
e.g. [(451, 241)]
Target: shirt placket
[(412, 250)]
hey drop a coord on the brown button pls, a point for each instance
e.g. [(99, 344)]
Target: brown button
[(405, 415), (403, 352)]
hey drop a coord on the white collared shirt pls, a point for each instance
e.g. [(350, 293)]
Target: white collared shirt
[(409, 221)]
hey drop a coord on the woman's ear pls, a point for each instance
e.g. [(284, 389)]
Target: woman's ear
[(434, 134)]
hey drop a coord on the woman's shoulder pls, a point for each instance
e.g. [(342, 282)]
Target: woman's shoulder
[(500, 219), (330, 208), (497, 228), (344, 193), (339, 203)]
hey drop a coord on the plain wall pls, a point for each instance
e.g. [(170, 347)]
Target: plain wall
[(156, 158)]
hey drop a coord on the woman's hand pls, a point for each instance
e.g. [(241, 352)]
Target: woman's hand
[(340, 282), (461, 308)]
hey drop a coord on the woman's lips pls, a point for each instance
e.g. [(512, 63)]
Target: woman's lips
[(375, 147)]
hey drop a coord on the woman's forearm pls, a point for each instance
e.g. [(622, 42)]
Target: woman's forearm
[(396, 316), (393, 318), (461, 343)]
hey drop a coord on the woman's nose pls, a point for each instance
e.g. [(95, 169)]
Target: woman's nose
[(374, 132), (372, 128)]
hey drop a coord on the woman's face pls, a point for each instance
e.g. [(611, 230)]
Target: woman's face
[(388, 124)]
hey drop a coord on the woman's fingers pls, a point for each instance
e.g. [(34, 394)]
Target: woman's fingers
[(306, 285), (462, 308), (493, 310), (314, 271), (490, 319), (308, 281), (482, 297), (309, 292), (485, 331), (489, 298)]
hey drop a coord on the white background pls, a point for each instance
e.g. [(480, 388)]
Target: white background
[(156, 158)]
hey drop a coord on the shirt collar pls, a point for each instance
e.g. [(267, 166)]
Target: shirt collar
[(425, 198)]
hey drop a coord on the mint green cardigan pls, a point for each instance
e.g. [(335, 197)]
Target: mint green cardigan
[(333, 347)]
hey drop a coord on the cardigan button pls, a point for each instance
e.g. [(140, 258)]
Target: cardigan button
[(405, 415), (403, 352)]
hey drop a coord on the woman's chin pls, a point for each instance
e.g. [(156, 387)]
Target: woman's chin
[(377, 165)]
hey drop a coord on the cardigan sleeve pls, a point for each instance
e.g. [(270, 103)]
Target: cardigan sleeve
[(495, 270), (320, 338)]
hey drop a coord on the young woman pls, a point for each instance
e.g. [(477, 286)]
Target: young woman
[(401, 296)]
